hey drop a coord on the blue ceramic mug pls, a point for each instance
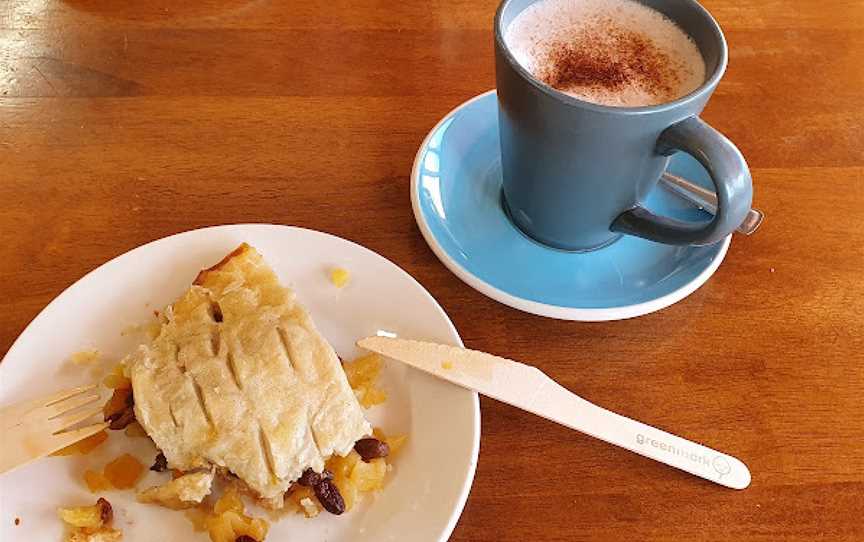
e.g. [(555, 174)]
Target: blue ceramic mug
[(576, 172)]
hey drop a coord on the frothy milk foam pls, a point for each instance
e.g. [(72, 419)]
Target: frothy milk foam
[(610, 52)]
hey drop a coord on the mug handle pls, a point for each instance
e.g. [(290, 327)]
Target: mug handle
[(728, 171)]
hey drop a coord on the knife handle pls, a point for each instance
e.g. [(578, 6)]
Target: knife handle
[(559, 404)]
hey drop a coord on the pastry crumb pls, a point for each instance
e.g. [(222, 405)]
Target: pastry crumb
[(228, 522), (85, 357), (117, 378), (198, 518), (149, 330), (362, 375), (339, 277), (309, 507), (90, 523), (104, 534), (96, 481), (17, 521), (302, 499), (180, 493), (124, 472)]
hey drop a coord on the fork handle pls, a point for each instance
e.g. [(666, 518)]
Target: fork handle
[(24, 445)]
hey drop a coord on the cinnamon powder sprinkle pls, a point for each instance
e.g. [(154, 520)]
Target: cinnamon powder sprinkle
[(609, 58)]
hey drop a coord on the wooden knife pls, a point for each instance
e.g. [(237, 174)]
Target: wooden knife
[(529, 389)]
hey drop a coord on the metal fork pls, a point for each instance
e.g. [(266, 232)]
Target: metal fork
[(39, 427)]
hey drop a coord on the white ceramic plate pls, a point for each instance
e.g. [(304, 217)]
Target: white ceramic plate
[(427, 490)]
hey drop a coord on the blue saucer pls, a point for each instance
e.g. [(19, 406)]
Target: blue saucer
[(456, 195)]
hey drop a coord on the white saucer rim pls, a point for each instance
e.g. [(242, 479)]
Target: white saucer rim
[(535, 307), (465, 491)]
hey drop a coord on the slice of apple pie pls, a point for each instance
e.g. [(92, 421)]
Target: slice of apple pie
[(239, 378)]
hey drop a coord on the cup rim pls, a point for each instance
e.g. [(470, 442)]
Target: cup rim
[(706, 86)]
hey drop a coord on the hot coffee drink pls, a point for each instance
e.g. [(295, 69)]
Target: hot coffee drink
[(610, 52)]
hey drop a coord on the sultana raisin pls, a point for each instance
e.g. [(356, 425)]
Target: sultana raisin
[(119, 410), (122, 419), (329, 497), (160, 464), (310, 478), (106, 513), (371, 448)]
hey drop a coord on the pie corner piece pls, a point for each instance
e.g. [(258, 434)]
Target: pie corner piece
[(244, 253), (240, 378)]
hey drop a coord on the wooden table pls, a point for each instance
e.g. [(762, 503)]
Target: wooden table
[(122, 122)]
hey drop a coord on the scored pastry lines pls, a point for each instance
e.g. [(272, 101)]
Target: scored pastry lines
[(266, 450), (283, 339), (180, 366), (312, 431), (216, 315), (215, 340), (232, 370), (199, 394), (173, 415)]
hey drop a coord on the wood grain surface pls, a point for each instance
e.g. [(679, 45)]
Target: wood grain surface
[(123, 122)]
